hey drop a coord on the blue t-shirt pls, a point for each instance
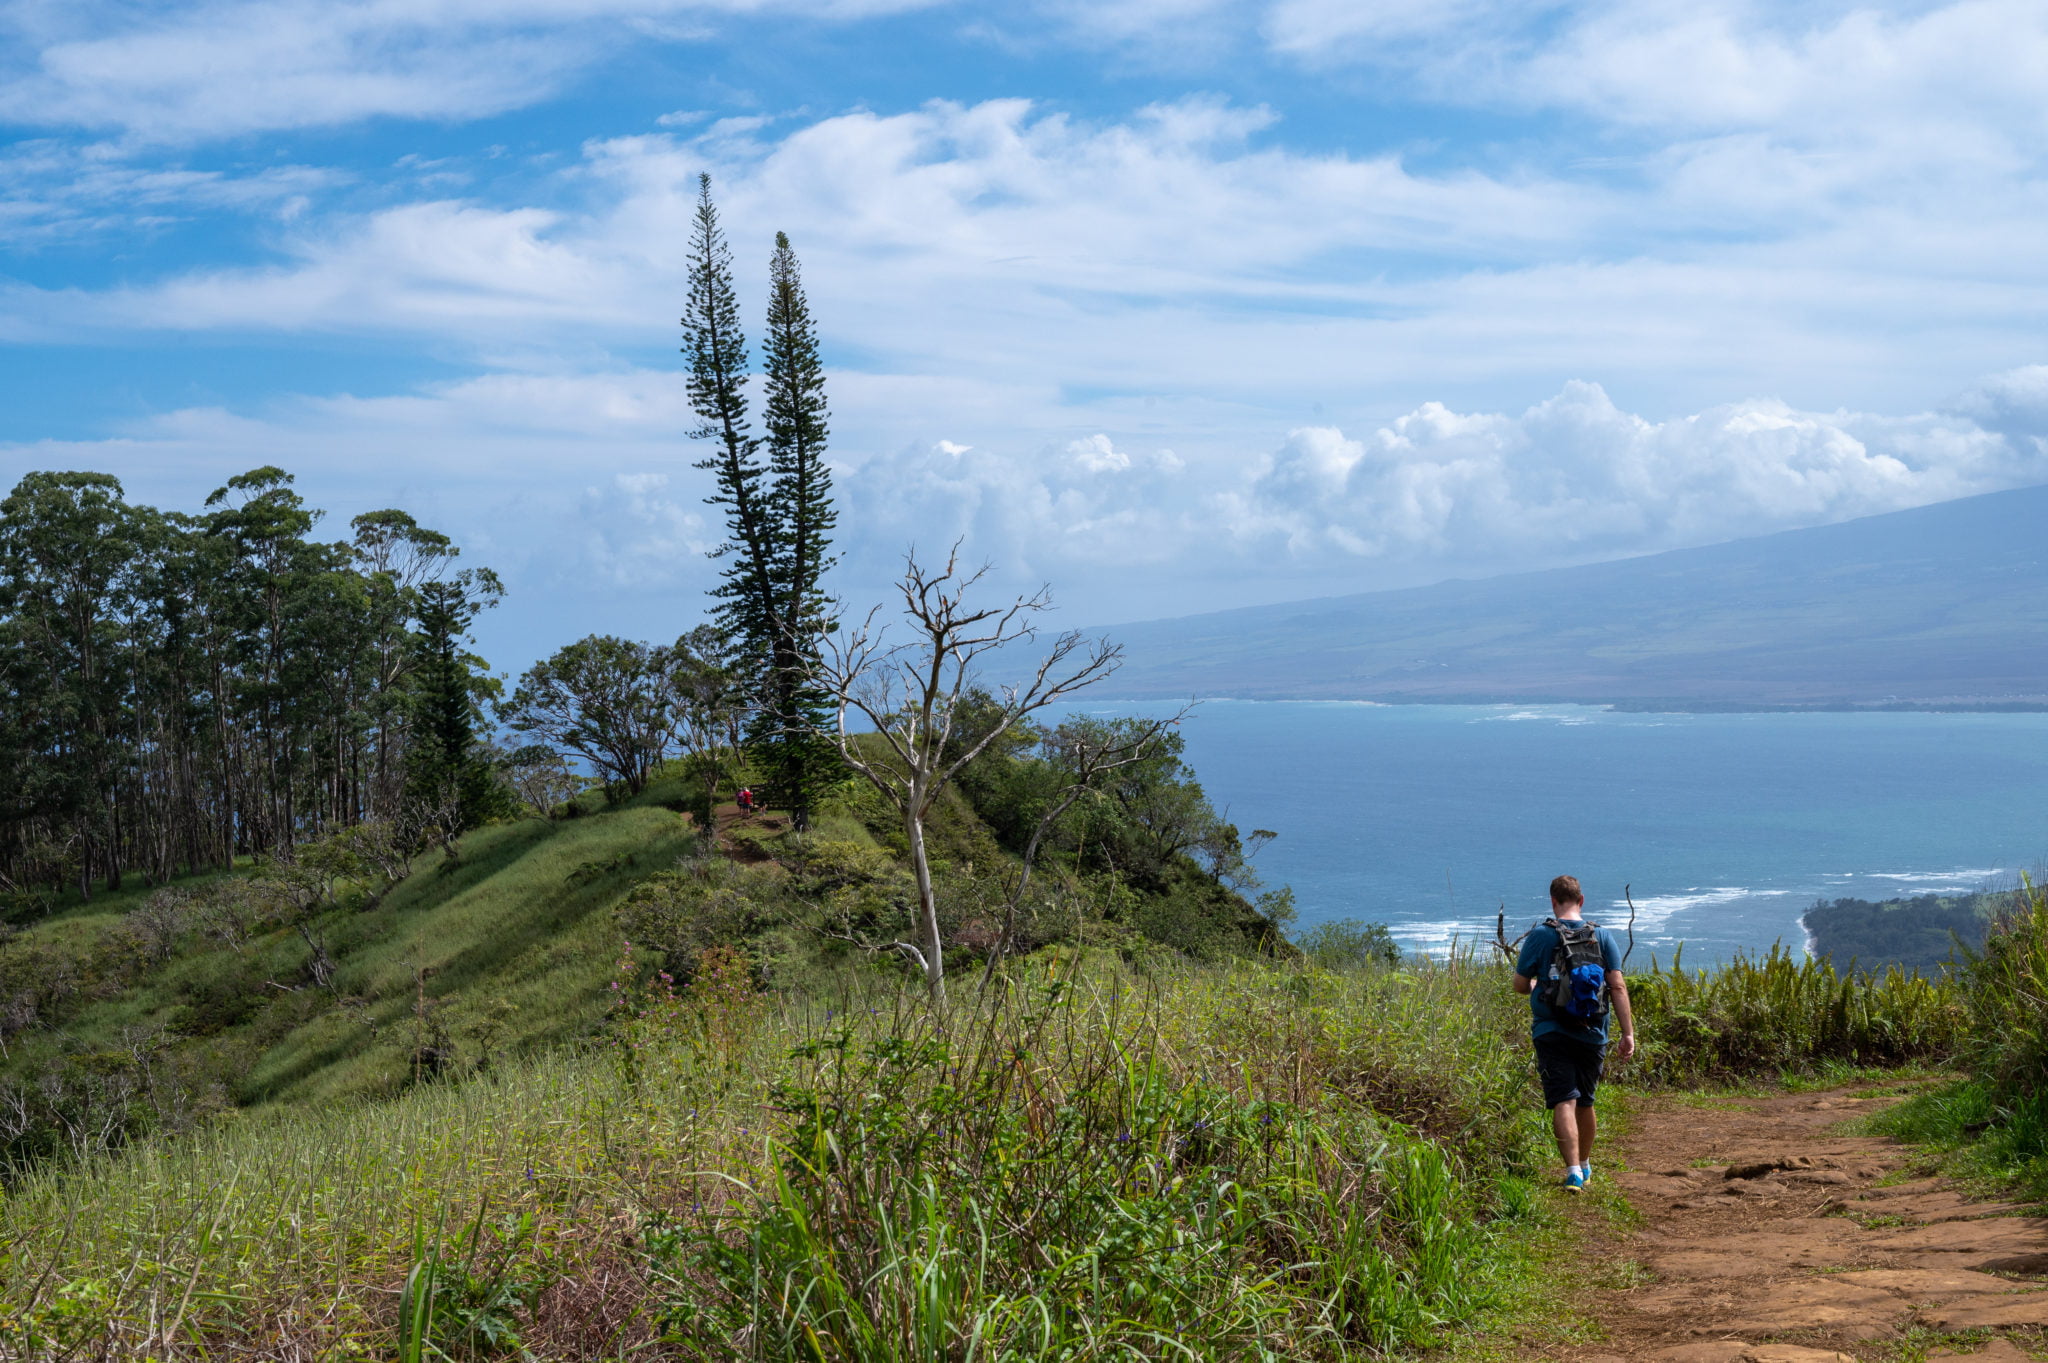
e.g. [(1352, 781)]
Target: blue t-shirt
[(1539, 950)]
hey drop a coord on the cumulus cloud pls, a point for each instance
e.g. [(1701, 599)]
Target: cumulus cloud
[(1433, 493), (2014, 403), (1575, 476), (583, 483)]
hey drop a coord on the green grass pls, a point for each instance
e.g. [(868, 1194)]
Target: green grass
[(1247, 1153), (1991, 1126), (507, 952), (1116, 1153), (1782, 1017), (1963, 1131)]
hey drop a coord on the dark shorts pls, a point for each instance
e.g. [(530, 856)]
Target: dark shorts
[(1570, 1069)]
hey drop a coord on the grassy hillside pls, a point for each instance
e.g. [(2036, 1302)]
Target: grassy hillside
[(504, 951), (1167, 1148), (169, 1009), (1102, 1156), (775, 1149)]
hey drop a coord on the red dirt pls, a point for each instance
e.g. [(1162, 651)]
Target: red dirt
[(1769, 1238)]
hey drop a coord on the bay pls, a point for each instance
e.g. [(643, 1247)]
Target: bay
[(1724, 827)]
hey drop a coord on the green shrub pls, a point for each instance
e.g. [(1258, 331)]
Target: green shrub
[(2006, 987), (1777, 1013), (1349, 944)]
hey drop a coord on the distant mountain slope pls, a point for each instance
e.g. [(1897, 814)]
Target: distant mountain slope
[(1946, 603)]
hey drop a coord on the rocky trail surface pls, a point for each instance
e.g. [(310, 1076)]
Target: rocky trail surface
[(1768, 1236)]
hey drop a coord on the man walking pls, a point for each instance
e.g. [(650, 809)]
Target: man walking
[(1571, 971)]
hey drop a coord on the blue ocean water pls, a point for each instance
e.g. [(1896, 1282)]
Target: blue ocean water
[(1726, 827)]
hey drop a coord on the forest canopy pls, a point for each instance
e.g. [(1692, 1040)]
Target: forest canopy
[(177, 690), (1923, 932)]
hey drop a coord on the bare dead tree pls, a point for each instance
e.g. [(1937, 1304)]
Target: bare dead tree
[(911, 694), (1500, 934)]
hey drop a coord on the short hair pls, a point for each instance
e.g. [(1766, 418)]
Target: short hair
[(1565, 890)]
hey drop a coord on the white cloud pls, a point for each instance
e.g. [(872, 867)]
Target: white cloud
[(52, 190), (2014, 403), (1323, 30), (582, 483), (1078, 270), (639, 534), (1575, 477), (1435, 492), (223, 67)]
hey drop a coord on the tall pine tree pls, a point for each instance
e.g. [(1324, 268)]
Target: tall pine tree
[(747, 600), (447, 777), (794, 415)]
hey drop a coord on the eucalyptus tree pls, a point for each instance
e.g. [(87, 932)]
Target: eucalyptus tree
[(68, 543), (608, 701), (396, 556), (182, 689)]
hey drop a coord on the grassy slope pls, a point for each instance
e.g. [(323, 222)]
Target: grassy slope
[(515, 942), (514, 946), (297, 1230)]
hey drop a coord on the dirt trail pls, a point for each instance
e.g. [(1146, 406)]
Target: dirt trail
[(1770, 1238)]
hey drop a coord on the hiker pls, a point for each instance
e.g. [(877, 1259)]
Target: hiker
[(1571, 971), (746, 799)]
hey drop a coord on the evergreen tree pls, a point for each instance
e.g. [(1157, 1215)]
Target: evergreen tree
[(800, 508), (447, 775), (747, 600)]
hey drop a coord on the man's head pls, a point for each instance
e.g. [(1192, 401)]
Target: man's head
[(1565, 895)]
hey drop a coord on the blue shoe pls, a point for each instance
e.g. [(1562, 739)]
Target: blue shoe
[(1575, 1182), (1587, 1170)]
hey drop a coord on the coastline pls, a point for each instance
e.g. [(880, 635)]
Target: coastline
[(1645, 705)]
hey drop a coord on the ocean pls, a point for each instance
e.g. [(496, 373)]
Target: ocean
[(1724, 828)]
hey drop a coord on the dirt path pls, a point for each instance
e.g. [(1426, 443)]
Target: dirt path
[(1771, 1238)]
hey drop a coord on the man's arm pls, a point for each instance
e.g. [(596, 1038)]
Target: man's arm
[(1624, 1015), (1523, 984)]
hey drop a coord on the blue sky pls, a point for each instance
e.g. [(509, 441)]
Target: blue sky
[(1174, 304)]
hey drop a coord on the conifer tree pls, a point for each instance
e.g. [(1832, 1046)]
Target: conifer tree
[(746, 597), (794, 415), (447, 774)]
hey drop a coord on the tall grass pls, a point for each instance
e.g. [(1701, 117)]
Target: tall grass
[(1994, 1122), (2007, 990), (1777, 1013), (1220, 1163)]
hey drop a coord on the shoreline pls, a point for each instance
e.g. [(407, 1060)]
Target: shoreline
[(1625, 705)]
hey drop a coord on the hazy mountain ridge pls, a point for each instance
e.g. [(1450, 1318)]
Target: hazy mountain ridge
[(1941, 605)]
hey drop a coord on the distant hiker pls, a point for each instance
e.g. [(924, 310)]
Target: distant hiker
[(746, 798), (1571, 971)]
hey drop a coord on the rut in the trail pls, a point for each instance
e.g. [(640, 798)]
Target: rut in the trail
[(1769, 1238)]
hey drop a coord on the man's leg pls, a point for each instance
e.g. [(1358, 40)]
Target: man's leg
[(1565, 1124), (1588, 1127)]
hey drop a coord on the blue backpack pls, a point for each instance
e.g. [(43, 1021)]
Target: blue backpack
[(1578, 971)]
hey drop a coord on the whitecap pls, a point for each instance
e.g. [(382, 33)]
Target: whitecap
[(1930, 877), (1653, 911)]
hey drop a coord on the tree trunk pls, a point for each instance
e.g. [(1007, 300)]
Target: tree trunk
[(927, 907)]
